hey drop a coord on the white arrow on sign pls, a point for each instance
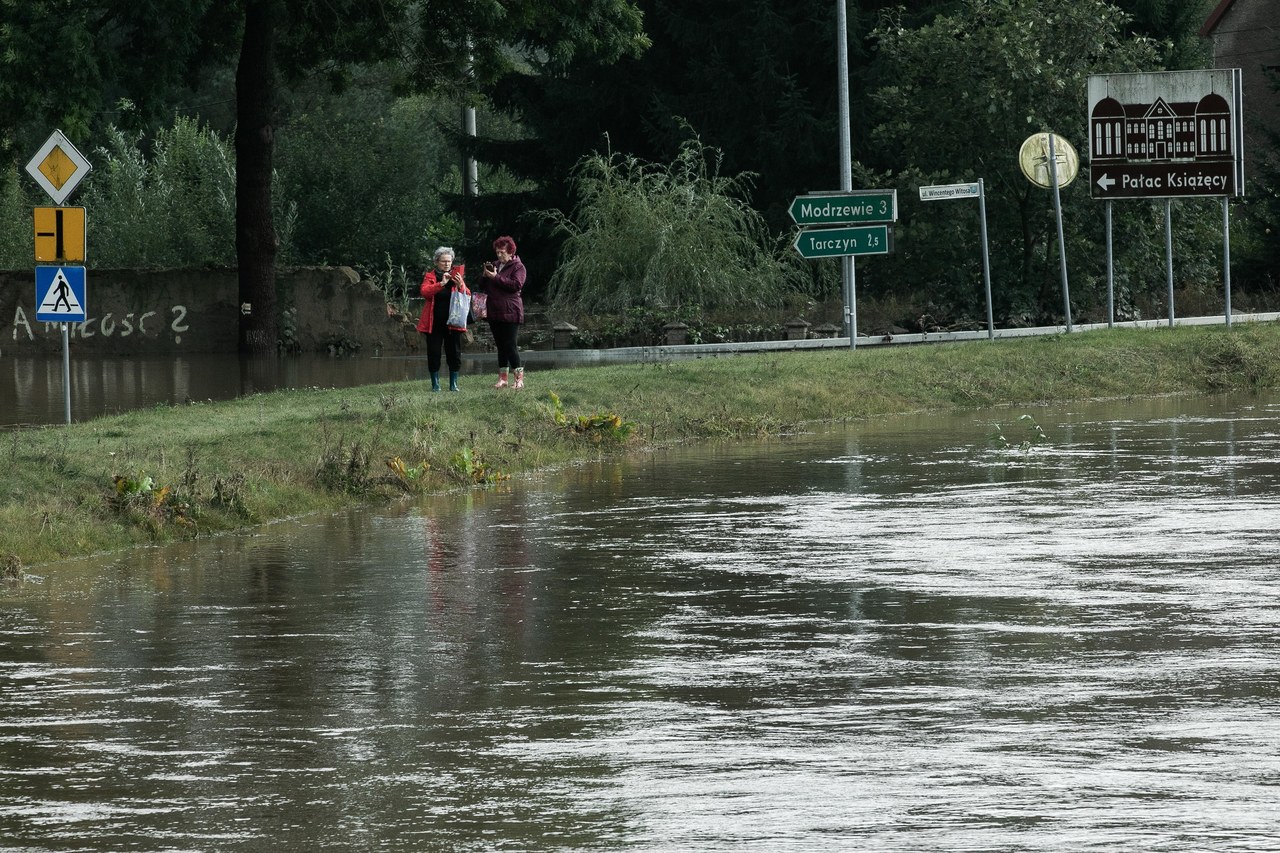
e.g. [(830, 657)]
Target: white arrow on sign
[(1106, 182)]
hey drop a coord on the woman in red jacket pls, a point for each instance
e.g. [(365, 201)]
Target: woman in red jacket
[(504, 281), (437, 287)]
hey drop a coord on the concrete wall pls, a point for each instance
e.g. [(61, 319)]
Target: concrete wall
[(173, 311)]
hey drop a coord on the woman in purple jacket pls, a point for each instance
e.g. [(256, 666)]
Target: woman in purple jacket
[(504, 281)]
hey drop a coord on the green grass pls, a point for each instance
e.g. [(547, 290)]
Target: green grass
[(169, 473)]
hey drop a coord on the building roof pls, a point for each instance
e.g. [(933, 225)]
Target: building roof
[(1215, 16)]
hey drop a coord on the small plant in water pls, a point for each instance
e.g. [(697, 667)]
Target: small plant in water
[(599, 426), (141, 500), (1034, 435), (411, 478), (469, 465)]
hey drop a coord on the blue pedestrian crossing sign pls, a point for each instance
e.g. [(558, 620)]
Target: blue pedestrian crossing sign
[(60, 296)]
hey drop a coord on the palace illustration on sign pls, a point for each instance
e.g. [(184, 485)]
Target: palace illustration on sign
[(1164, 134), (1138, 133)]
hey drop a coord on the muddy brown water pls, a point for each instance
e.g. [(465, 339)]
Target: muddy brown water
[(893, 637)]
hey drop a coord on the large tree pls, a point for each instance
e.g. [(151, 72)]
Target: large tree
[(63, 63), (955, 101), (442, 44), (756, 80), (1175, 26), (77, 66)]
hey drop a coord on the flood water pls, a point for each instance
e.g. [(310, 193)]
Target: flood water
[(892, 637)]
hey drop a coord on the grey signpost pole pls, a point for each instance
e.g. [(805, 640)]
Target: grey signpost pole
[(1226, 258), (1111, 272), (976, 189), (66, 371), (1062, 245), (848, 274), (986, 259), (1168, 252)]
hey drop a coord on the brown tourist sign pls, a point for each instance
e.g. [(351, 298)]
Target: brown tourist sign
[(1166, 134)]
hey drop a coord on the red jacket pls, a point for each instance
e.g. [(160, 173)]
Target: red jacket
[(431, 286)]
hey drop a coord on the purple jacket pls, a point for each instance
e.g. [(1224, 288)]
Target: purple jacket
[(505, 303)]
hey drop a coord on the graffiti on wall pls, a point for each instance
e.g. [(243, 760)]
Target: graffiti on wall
[(147, 323)]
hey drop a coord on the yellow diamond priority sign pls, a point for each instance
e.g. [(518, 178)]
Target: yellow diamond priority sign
[(58, 167)]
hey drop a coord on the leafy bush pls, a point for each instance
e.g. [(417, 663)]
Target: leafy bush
[(175, 208), (664, 236), (16, 250), (368, 171)]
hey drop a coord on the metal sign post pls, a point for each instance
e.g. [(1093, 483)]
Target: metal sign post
[(1168, 134), (66, 372), (848, 275), (952, 191), (60, 237), (1049, 161), (1226, 258), (986, 256), (1062, 243), (1111, 274), (1169, 255)]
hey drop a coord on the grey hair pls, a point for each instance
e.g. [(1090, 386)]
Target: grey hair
[(443, 250)]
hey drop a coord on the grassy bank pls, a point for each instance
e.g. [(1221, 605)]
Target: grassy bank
[(175, 472)]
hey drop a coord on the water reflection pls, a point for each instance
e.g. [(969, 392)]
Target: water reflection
[(32, 390), (893, 638)]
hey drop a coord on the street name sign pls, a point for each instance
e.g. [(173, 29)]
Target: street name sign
[(60, 294), (839, 242), (942, 192), (1166, 134), (58, 167), (60, 235), (845, 208)]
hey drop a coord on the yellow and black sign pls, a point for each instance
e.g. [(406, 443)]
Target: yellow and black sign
[(60, 235)]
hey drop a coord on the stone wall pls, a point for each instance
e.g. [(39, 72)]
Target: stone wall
[(174, 311)]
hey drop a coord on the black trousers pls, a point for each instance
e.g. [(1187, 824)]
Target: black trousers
[(504, 335), (448, 340)]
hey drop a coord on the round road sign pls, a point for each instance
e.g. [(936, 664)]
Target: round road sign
[(1033, 159)]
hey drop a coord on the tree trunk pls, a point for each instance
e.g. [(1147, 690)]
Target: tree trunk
[(255, 144)]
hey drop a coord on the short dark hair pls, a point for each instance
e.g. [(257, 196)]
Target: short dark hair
[(506, 244)]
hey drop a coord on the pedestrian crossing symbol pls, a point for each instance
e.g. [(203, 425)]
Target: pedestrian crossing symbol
[(60, 294)]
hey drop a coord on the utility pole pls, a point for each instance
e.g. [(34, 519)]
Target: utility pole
[(848, 276)]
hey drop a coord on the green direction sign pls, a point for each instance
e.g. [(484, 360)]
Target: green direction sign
[(838, 242), (845, 208)]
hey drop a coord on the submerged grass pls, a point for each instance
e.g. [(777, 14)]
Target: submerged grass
[(176, 472)]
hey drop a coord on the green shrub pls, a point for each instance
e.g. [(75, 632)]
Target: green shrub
[(663, 236), (175, 207)]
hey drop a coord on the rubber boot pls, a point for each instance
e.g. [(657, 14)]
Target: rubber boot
[(519, 378), (435, 380), (453, 380), (502, 379)]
